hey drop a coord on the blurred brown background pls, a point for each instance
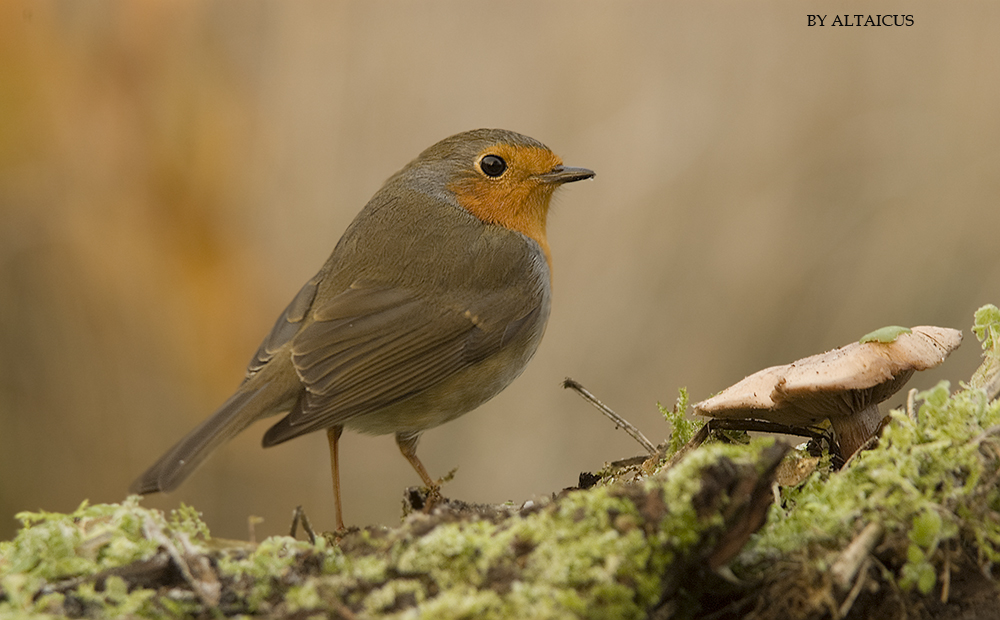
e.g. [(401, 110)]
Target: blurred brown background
[(172, 172)]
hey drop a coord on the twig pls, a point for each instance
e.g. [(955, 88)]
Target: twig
[(851, 559), (195, 568), (692, 444), (252, 522), (299, 516), (911, 409), (761, 426), (869, 443), (992, 386), (887, 576), (946, 578), (614, 417), (748, 425), (852, 596)]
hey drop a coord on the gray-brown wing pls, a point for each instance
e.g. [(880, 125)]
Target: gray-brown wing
[(285, 328), (371, 347)]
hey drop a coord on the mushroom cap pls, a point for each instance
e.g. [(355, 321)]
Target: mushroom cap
[(837, 383)]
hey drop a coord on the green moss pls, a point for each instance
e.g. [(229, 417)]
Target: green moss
[(187, 519), (304, 597), (58, 548), (574, 551), (53, 546), (924, 481), (600, 553), (681, 428), (257, 576), (987, 329), (116, 596), (460, 603), (384, 599)]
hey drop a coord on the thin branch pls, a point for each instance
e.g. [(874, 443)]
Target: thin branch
[(762, 426), (849, 563), (299, 516), (911, 405), (617, 419)]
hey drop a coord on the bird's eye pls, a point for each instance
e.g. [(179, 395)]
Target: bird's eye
[(493, 165)]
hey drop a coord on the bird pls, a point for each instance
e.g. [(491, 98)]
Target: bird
[(432, 302)]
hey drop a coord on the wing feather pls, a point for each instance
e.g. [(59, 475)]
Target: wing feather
[(371, 346), (285, 328)]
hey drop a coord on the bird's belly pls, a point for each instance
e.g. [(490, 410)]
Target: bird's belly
[(451, 398)]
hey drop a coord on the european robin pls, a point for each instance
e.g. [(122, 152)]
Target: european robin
[(431, 303)]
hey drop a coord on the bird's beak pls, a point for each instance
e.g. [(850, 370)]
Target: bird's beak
[(565, 174)]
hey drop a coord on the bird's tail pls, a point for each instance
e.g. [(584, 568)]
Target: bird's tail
[(237, 413)]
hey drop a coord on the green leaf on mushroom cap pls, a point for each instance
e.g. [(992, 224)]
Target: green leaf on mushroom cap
[(885, 335)]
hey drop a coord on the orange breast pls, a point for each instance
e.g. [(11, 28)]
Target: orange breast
[(518, 200)]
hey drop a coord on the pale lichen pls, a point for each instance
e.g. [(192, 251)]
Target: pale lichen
[(57, 561)]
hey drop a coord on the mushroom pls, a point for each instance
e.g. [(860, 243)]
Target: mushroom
[(844, 385)]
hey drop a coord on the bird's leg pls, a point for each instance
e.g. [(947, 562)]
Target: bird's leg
[(407, 443), (333, 436)]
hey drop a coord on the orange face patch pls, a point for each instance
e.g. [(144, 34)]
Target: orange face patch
[(518, 198)]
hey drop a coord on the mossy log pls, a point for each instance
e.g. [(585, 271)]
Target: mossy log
[(752, 529)]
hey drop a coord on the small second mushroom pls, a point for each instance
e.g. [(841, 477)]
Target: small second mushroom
[(844, 385)]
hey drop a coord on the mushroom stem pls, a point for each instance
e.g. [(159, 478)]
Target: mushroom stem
[(854, 430)]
